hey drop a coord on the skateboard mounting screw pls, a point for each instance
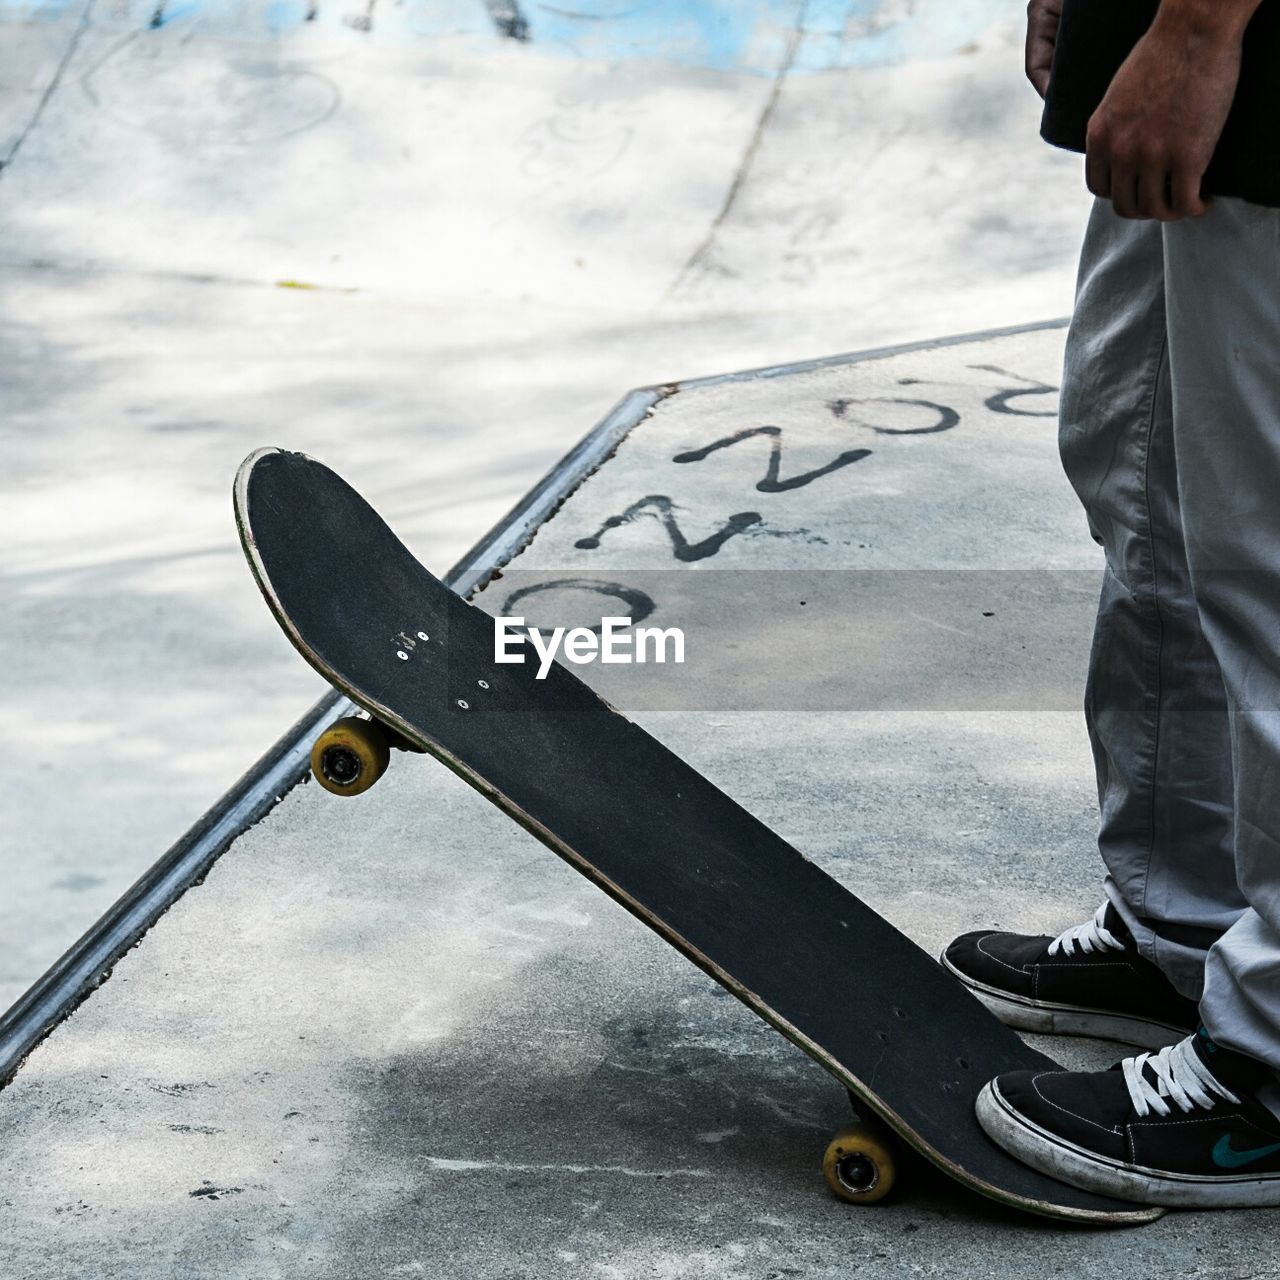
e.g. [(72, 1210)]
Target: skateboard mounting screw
[(400, 653), (484, 684), (422, 635), (464, 704)]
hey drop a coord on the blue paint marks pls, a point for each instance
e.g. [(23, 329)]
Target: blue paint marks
[(167, 14), (37, 10), (888, 33), (727, 35), (283, 15), (721, 35)]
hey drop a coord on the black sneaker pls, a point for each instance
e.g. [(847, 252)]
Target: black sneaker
[(1088, 981), (1182, 1127)]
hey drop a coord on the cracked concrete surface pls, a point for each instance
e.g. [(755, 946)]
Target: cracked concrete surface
[(395, 1036), (434, 256)]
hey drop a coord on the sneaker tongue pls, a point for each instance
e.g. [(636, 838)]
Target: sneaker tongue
[(1113, 923), (1241, 1074)]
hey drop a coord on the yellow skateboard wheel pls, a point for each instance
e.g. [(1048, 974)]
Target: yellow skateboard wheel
[(859, 1165), (350, 756)]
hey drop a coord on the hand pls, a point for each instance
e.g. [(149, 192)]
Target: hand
[(1153, 135), (1043, 17)]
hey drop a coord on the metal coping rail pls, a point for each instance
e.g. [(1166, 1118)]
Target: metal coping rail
[(89, 961)]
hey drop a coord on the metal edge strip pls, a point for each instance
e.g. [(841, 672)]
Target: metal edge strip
[(871, 353), (89, 961)]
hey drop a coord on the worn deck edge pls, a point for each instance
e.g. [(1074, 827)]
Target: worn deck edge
[(89, 961)]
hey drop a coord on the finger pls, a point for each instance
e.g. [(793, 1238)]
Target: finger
[(1097, 172), (1039, 60), (1042, 29), (1185, 194), (1124, 192), (1152, 199)]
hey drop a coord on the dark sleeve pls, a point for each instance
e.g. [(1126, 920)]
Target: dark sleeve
[(1096, 36)]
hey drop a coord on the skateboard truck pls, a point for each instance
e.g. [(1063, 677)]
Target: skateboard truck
[(353, 753)]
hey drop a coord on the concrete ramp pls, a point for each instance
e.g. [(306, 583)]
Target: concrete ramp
[(394, 1036)]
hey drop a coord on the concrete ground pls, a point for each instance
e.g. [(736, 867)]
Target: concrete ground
[(432, 242), (394, 1036)]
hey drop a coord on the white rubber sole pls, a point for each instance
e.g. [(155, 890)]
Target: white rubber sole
[(1089, 1171), (1047, 1018)]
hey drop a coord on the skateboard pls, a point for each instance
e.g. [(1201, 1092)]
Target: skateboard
[(907, 1041)]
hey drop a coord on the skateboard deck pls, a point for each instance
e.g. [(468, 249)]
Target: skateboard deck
[(903, 1036)]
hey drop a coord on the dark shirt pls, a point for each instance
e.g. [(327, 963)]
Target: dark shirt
[(1095, 37)]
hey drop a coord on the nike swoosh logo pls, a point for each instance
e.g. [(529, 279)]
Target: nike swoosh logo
[(1225, 1156)]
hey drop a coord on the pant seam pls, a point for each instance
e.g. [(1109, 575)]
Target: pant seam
[(1158, 676)]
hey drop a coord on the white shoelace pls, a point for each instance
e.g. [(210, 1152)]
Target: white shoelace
[(1091, 936), (1179, 1074)]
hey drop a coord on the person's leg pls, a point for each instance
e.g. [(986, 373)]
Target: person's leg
[(1223, 276), (1155, 703), (1198, 1124)]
